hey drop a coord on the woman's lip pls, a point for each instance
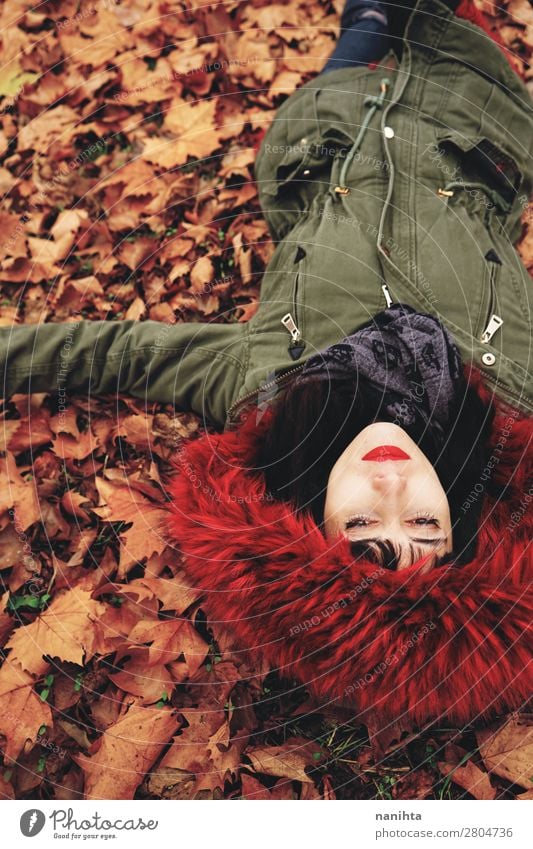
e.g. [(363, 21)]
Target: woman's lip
[(386, 452)]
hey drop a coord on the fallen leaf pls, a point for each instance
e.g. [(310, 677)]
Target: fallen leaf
[(125, 752), (466, 774), (64, 630), (145, 536), (291, 760), (22, 712), (508, 751)]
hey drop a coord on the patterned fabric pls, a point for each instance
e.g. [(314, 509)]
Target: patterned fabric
[(409, 356)]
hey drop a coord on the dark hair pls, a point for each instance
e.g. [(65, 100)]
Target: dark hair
[(315, 420)]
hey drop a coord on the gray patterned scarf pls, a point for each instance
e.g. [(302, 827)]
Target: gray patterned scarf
[(408, 356)]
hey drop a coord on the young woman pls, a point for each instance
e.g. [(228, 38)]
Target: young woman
[(387, 373)]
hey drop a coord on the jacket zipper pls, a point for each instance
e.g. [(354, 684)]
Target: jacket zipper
[(290, 324), (289, 321), (494, 321), (265, 386), (388, 298)]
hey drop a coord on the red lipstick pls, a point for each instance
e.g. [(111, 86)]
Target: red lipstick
[(386, 452)]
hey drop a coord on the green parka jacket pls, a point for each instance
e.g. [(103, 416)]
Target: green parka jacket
[(403, 183)]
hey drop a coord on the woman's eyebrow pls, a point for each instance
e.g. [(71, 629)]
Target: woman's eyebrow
[(433, 542), (436, 541)]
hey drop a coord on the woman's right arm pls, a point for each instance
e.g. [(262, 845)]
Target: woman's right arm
[(196, 366)]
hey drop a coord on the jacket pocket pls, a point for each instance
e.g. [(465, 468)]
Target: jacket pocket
[(293, 321), (490, 319), (476, 163)]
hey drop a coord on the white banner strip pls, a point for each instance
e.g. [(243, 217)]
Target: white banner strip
[(263, 825)]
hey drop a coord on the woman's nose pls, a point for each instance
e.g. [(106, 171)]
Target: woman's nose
[(389, 482)]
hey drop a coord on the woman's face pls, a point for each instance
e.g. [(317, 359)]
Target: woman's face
[(384, 487)]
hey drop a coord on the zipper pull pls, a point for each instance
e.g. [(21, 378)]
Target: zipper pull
[(296, 346), (387, 294), (289, 323), (494, 324)]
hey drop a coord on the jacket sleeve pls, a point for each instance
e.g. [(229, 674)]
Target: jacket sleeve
[(195, 365)]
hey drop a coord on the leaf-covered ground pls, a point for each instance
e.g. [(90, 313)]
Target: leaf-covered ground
[(128, 134)]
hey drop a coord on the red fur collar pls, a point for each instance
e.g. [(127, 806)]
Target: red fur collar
[(451, 642)]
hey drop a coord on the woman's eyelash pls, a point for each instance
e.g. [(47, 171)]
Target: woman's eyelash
[(427, 519), (363, 521), (354, 520)]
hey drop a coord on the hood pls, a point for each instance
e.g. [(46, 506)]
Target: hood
[(453, 642)]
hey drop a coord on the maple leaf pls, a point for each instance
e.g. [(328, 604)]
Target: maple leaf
[(195, 750), (193, 124), (65, 630), (144, 537), (147, 683)]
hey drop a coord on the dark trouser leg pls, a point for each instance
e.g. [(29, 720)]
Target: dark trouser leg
[(364, 35)]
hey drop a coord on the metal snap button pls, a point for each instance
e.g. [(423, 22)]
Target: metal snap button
[(306, 172), (388, 132), (488, 359)]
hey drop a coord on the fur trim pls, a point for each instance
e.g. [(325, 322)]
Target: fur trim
[(452, 642)]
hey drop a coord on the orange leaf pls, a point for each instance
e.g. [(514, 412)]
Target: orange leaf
[(22, 712), (65, 630), (18, 493), (146, 535), (125, 752), (194, 126)]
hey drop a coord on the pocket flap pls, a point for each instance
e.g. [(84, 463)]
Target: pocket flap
[(483, 161)]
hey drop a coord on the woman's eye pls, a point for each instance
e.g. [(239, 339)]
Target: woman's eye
[(358, 522), (426, 520)]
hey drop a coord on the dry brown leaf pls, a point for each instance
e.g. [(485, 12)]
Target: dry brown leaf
[(291, 760), (125, 752), (147, 683), (202, 273), (204, 749), (508, 751), (65, 631), (467, 775), (22, 712), (164, 640), (13, 232), (194, 125), (18, 493), (123, 504)]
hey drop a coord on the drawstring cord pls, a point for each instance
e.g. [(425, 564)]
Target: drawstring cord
[(375, 102)]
